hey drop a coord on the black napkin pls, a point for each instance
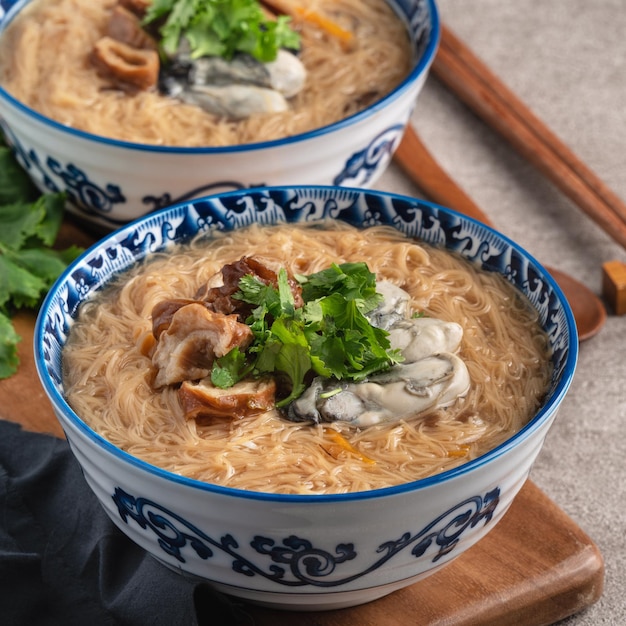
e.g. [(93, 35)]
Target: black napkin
[(62, 560)]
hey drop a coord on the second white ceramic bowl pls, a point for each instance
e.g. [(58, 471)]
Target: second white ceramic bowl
[(110, 183)]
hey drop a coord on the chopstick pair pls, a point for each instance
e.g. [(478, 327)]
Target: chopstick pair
[(461, 71)]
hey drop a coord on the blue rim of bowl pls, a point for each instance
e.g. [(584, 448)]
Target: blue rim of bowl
[(421, 67), (545, 412)]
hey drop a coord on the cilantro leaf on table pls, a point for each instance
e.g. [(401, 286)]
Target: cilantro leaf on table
[(18, 287), (29, 224), (15, 184), (221, 28), (9, 339), (39, 223)]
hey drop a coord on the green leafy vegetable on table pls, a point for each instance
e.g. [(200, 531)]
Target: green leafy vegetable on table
[(329, 336), (221, 28), (29, 224)]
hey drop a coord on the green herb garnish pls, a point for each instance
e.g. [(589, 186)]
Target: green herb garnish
[(329, 336), (221, 28), (29, 224)]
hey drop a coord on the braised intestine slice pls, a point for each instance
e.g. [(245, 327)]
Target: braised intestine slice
[(218, 292), (126, 27), (202, 399), (127, 53), (194, 338), (138, 7), (163, 312), (128, 65)]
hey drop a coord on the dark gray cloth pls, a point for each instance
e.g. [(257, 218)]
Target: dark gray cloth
[(63, 562)]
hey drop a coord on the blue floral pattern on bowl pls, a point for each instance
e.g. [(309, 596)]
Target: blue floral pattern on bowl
[(296, 561)]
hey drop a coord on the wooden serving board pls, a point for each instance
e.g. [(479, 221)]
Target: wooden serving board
[(535, 567)]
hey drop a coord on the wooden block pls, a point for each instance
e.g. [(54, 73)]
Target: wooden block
[(614, 285)]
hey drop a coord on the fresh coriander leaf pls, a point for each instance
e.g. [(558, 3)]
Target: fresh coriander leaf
[(47, 263), (157, 9), (329, 355), (24, 222), (254, 291), (289, 331), (267, 350), (15, 184), (287, 303), (53, 205), (294, 360), (313, 313), (353, 281), (286, 351), (18, 285), (19, 224), (221, 28), (9, 339), (351, 318), (259, 325), (284, 35), (346, 343), (204, 42), (229, 369)]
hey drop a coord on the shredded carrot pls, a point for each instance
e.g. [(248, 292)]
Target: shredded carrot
[(325, 23), (341, 444), (461, 451), (296, 10)]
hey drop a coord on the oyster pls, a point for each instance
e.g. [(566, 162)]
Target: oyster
[(431, 376), (235, 88), (400, 393)]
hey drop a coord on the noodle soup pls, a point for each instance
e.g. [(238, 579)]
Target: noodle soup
[(108, 373), (66, 87), (162, 150), (288, 538)]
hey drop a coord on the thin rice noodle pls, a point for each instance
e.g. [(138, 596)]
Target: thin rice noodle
[(107, 376), (44, 63)]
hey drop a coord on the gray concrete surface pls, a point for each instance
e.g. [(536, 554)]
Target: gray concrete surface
[(566, 59)]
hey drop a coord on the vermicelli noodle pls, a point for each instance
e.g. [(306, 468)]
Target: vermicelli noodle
[(108, 375), (44, 63)]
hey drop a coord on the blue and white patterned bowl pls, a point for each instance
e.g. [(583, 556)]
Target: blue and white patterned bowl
[(110, 183), (290, 551)]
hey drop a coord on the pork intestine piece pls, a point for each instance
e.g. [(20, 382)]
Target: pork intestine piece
[(193, 340)]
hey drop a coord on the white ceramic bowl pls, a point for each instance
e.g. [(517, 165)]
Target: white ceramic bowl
[(290, 551), (111, 182)]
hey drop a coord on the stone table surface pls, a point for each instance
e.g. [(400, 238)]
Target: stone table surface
[(566, 59)]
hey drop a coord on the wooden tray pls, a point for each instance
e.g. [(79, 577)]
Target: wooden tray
[(535, 567)]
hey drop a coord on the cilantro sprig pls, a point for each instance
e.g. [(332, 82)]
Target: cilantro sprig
[(221, 28), (329, 335), (29, 224)]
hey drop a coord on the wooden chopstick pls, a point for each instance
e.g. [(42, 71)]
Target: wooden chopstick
[(459, 69)]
